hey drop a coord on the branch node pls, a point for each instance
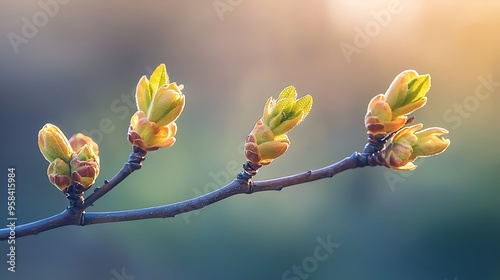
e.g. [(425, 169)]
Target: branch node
[(375, 143), (366, 159), (250, 187), (249, 170), (245, 176), (82, 219), (135, 159), (74, 194)]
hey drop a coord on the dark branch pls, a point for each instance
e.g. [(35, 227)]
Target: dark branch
[(134, 162), (241, 185), (171, 210), (64, 218), (235, 187)]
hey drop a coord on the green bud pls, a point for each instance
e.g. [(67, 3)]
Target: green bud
[(59, 174), (53, 143), (167, 105)]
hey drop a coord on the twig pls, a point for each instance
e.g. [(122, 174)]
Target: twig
[(241, 185), (134, 163)]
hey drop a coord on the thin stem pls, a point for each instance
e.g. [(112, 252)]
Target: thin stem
[(233, 188), (238, 186), (168, 211), (351, 162), (134, 162)]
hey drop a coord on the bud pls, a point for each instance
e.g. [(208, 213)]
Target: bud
[(79, 140), (268, 139), (379, 119), (261, 146), (146, 89), (284, 114), (59, 174), (53, 143), (84, 161), (409, 143), (87, 157), (146, 134), (160, 103), (167, 105), (70, 160), (407, 92), (85, 153), (160, 100), (430, 142), (388, 112), (84, 168), (143, 95)]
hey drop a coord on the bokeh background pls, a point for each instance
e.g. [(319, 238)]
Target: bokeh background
[(78, 67)]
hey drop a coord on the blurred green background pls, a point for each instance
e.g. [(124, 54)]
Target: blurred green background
[(78, 66)]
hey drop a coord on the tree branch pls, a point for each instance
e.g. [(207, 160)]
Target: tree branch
[(134, 162), (77, 216)]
